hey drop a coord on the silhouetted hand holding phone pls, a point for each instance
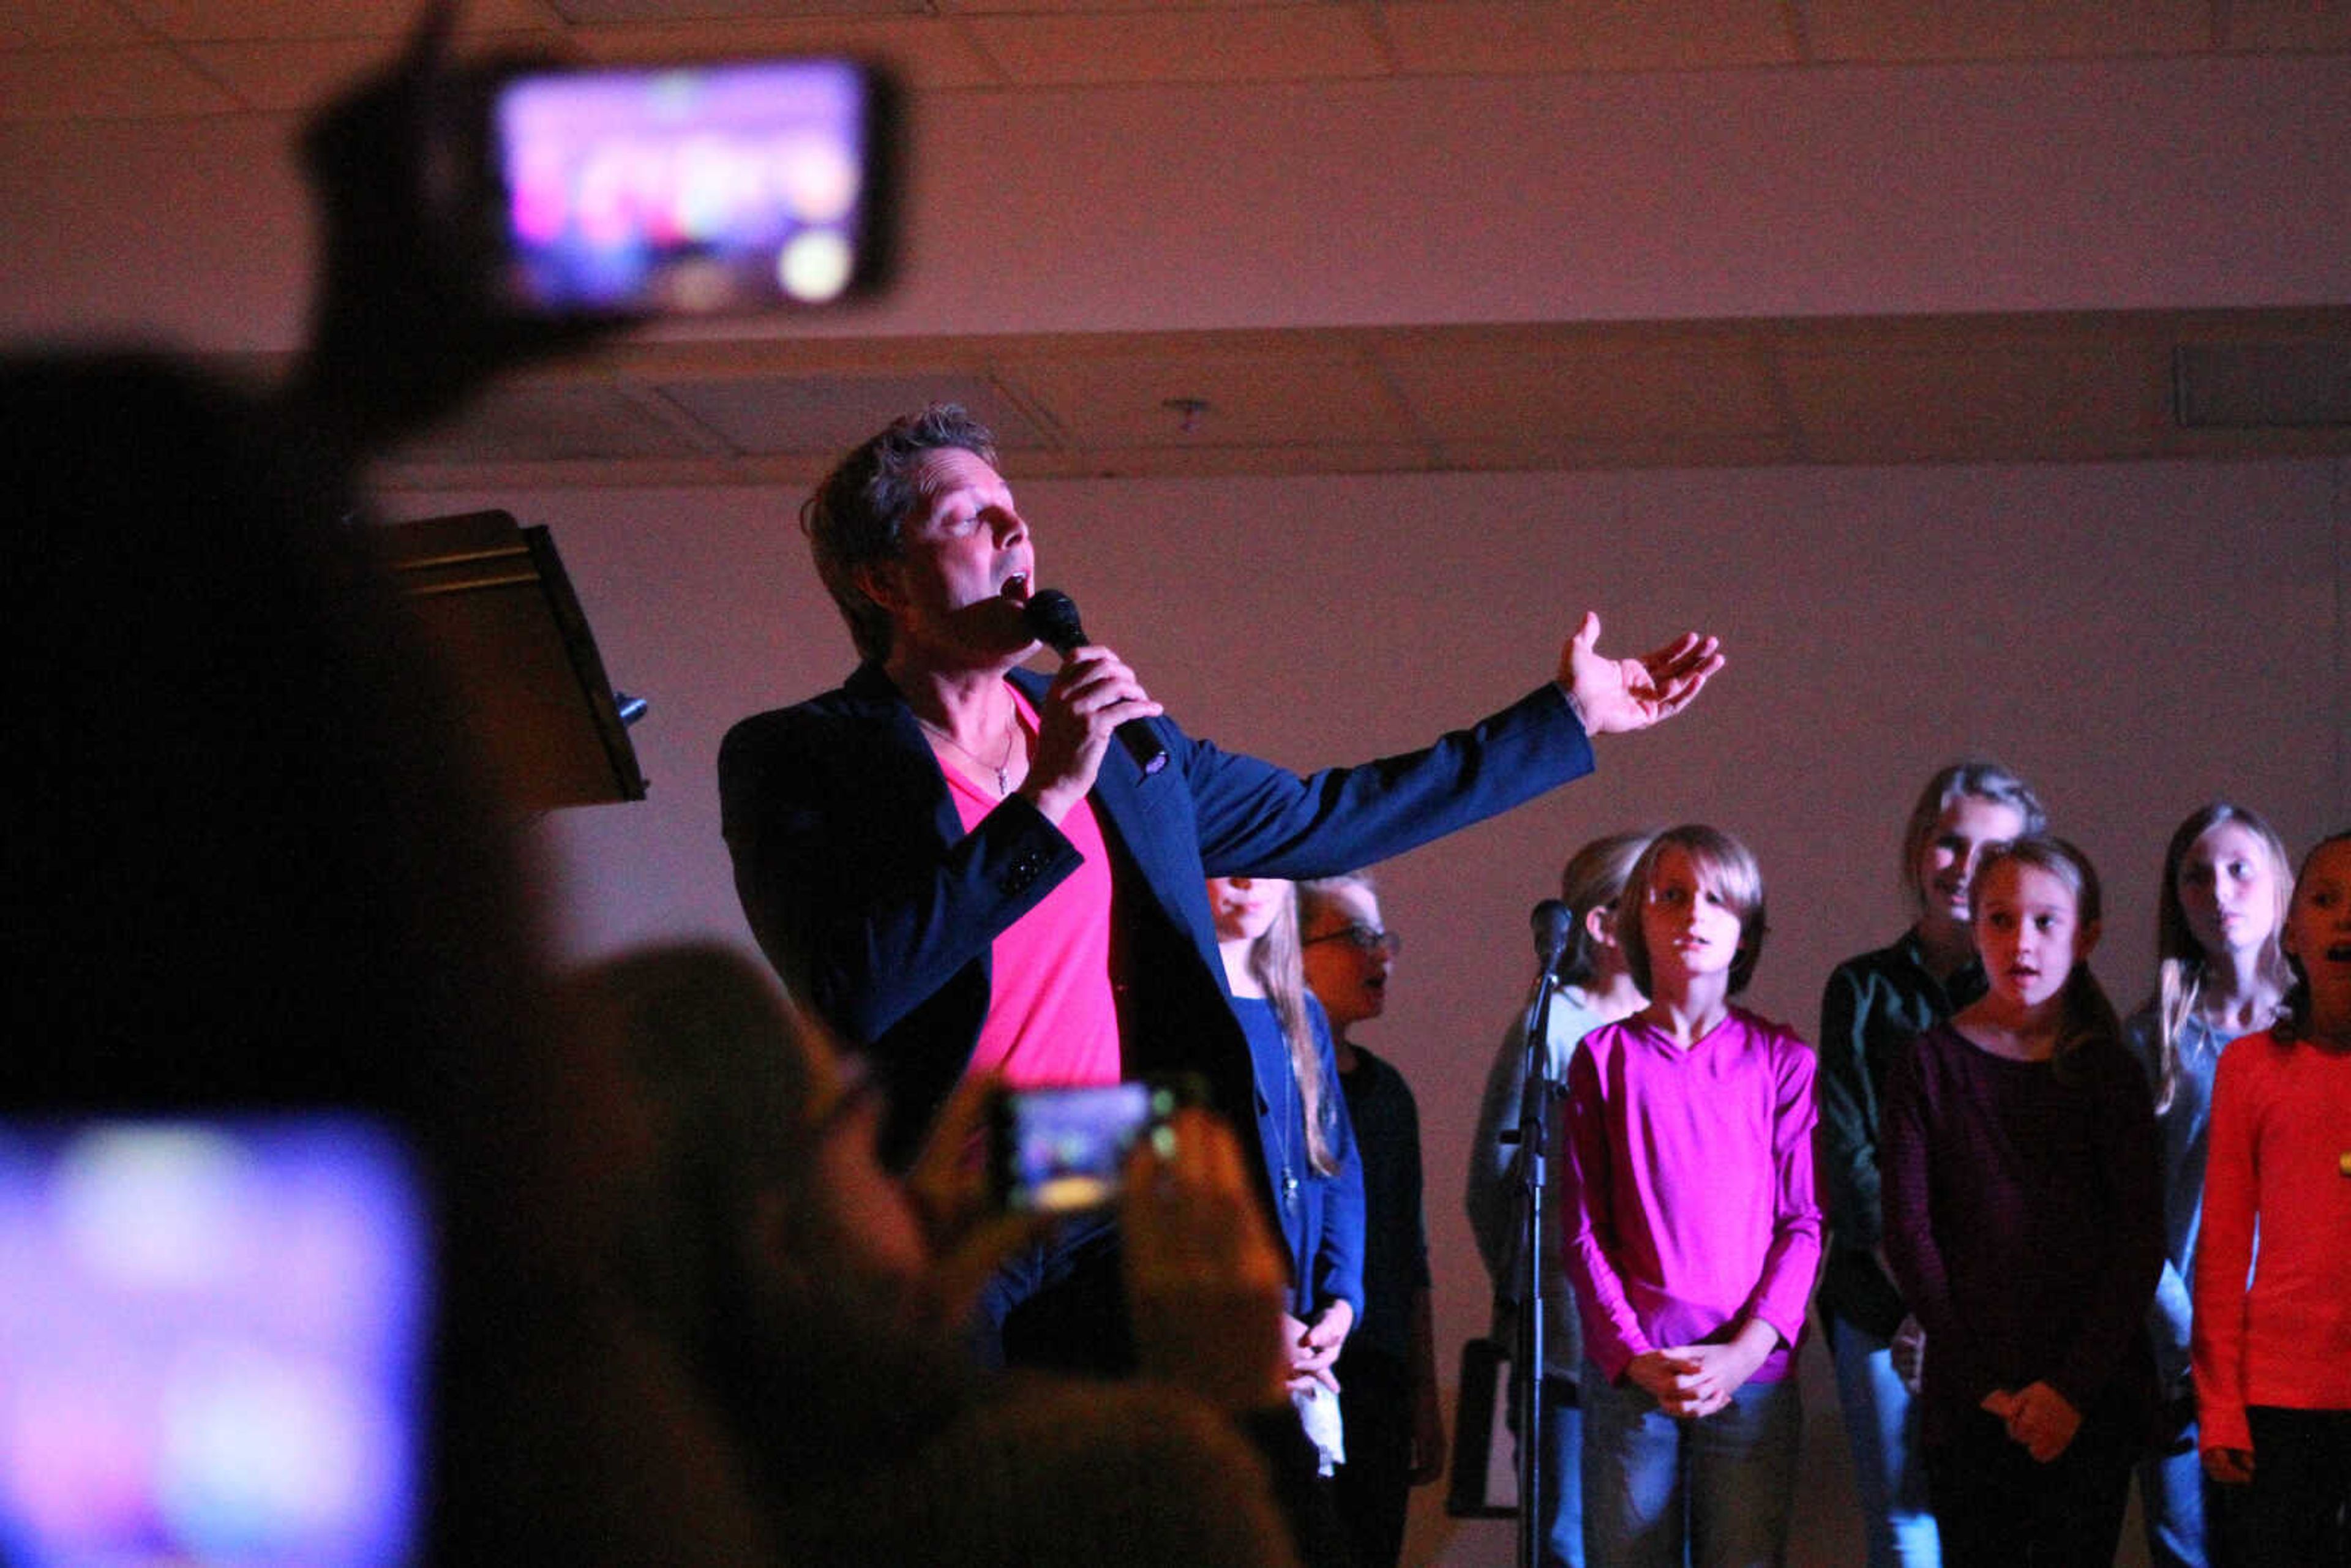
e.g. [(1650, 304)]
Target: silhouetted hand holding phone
[(408, 322), (1204, 1278)]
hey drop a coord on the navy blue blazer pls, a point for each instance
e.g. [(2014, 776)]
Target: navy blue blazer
[(878, 909)]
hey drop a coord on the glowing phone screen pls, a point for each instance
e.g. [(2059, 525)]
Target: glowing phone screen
[(213, 1342), (688, 189)]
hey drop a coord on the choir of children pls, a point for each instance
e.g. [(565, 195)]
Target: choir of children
[(2060, 1249)]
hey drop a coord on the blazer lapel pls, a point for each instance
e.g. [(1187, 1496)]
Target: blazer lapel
[(902, 749)]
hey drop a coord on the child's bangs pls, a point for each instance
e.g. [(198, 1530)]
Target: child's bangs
[(1727, 869)]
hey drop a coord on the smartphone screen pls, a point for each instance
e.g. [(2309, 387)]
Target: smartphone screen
[(1060, 1150), (692, 189), (213, 1342)]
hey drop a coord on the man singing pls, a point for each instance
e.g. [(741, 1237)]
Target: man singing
[(949, 860)]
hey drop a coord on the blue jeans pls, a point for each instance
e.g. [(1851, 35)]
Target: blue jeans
[(1716, 1492), (1559, 1471), (2171, 1503), (1559, 1464), (1889, 1466)]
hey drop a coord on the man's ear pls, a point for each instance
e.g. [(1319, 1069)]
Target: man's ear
[(878, 580)]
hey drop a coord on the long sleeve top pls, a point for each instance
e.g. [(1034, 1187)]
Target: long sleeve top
[(1321, 1215), (1873, 1006), (1386, 1121), (1687, 1184), (2280, 1158), (2024, 1222), (2182, 1132)]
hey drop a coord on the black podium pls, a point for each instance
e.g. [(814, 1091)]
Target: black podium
[(495, 603)]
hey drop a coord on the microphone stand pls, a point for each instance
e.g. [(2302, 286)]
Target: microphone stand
[(1532, 1170)]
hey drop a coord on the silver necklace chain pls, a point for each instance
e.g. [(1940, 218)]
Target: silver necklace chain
[(1001, 767), (1292, 1114)]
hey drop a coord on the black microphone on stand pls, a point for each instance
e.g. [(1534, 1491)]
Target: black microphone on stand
[(1051, 618), (1553, 926)]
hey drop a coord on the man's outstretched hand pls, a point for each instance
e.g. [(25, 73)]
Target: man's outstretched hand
[(1612, 696)]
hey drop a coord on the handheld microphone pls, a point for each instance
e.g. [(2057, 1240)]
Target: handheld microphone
[(1551, 926), (1051, 617)]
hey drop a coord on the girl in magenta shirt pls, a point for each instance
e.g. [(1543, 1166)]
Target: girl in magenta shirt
[(1693, 1237)]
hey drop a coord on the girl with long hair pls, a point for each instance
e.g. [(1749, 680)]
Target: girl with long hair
[(1873, 1006), (2221, 973), (2024, 1221), (1301, 1121)]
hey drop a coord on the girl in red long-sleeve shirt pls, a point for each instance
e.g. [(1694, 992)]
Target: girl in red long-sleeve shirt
[(2272, 1353)]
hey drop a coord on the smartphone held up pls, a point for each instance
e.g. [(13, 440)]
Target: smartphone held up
[(1060, 1151), (692, 189)]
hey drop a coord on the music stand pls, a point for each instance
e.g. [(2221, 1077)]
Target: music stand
[(495, 602)]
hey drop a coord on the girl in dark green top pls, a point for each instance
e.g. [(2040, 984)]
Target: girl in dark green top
[(1873, 1006)]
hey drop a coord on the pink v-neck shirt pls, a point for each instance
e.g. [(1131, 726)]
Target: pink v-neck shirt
[(1052, 1018)]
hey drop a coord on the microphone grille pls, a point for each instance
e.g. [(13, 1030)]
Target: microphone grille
[(1051, 618), (1552, 923)]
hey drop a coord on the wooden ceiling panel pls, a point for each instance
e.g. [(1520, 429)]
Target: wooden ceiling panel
[(1564, 451), (1594, 390), (824, 416), (283, 19), (1279, 44), (65, 24), (925, 56), (1705, 394), (1185, 460), (1307, 396), (2285, 25), (2002, 29), (105, 84), (287, 75), (593, 13), (1066, 7), (553, 421), (1521, 38), (2059, 398)]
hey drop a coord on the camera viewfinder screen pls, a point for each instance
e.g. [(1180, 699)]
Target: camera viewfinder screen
[(1069, 1145), (689, 190)]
